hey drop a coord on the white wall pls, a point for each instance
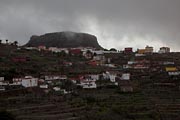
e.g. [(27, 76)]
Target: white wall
[(1, 79), (125, 76), (30, 82)]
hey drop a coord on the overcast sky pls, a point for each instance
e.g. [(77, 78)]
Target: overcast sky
[(116, 23)]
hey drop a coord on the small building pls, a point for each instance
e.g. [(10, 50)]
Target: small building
[(141, 51), (17, 81), (89, 85), (54, 49), (1, 79), (88, 54), (55, 77), (99, 58), (148, 49), (88, 81), (75, 51), (31, 48), (128, 50), (168, 63), (29, 81), (110, 76), (94, 77), (125, 76), (43, 86), (171, 69), (98, 52), (41, 47), (174, 73), (109, 65), (56, 88), (164, 50), (131, 62)]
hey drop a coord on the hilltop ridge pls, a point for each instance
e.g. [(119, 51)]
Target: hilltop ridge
[(66, 39)]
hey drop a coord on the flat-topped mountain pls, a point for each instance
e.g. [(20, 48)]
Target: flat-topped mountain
[(64, 40)]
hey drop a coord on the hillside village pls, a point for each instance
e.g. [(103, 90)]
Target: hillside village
[(103, 78)]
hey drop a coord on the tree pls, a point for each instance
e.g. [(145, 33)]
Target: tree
[(113, 49), (89, 54), (15, 43), (0, 41), (7, 41)]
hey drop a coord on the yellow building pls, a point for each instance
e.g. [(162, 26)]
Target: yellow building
[(147, 49), (170, 69), (141, 51)]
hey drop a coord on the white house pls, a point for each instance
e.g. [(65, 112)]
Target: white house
[(43, 86), (29, 81), (125, 76), (55, 77), (2, 82), (56, 88), (109, 65), (17, 81), (164, 50), (31, 48), (88, 84), (89, 81), (57, 50), (168, 63), (98, 52), (94, 77), (54, 49), (110, 75), (132, 62), (174, 73), (1, 79), (64, 49)]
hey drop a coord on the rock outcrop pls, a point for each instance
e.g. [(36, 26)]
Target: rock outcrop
[(64, 40)]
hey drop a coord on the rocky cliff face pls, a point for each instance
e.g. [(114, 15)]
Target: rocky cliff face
[(64, 40)]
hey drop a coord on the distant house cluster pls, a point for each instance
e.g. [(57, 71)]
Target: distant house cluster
[(118, 68), (86, 81)]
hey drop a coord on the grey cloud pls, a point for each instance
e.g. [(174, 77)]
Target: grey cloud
[(116, 23)]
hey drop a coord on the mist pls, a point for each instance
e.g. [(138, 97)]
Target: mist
[(116, 23)]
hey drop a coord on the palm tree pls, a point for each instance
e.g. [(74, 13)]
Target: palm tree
[(15, 43), (7, 41)]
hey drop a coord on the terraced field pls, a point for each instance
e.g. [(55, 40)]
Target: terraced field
[(147, 102)]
